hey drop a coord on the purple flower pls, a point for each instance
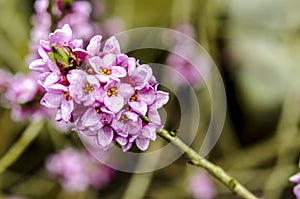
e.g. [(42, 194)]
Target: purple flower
[(96, 122), (148, 133), (201, 186), (106, 68), (296, 179), (182, 65), (60, 100), (78, 17), (60, 38), (139, 76), (83, 87), (5, 80), (94, 45), (127, 125), (112, 26), (77, 170), (104, 92), (23, 97), (116, 94), (41, 22), (140, 101)]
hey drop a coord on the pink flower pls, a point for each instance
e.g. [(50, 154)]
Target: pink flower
[(55, 45), (296, 179), (104, 92), (77, 170), (106, 68), (192, 73), (201, 186), (5, 80), (41, 22), (76, 14), (78, 17), (83, 87), (127, 126), (23, 96), (60, 100), (96, 122)]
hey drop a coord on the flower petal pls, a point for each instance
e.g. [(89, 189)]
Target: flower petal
[(118, 71), (61, 36), (161, 99), (105, 136), (112, 46), (142, 143), (139, 106), (90, 117), (94, 45), (141, 76), (126, 90), (39, 65), (52, 100), (115, 104), (67, 109), (109, 60), (96, 63)]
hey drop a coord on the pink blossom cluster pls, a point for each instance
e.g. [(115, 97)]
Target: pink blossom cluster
[(201, 186), (76, 13), (77, 170), (104, 93), (5, 79), (193, 73), (22, 94), (296, 179)]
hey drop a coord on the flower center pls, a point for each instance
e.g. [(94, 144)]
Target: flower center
[(112, 92), (105, 71), (133, 97), (67, 96), (97, 110), (123, 119), (88, 88)]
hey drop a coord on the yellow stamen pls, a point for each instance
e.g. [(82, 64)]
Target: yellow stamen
[(88, 88), (105, 71), (133, 97), (112, 92), (123, 118), (67, 96)]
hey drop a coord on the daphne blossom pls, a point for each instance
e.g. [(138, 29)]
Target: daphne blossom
[(201, 186), (23, 95), (77, 170), (104, 93), (296, 179), (187, 61)]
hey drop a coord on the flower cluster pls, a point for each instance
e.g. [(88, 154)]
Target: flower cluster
[(296, 179), (75, 13), (22, 94), (5, 79), (201, 186), (104, 93), (186, 49), (77, 170), (56, 14)]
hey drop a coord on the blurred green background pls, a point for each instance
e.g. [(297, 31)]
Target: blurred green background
[(256, 46)]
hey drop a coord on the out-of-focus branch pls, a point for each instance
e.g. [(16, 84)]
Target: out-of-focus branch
[(31, 132)]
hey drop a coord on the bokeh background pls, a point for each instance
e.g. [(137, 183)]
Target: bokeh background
[(256, 46)]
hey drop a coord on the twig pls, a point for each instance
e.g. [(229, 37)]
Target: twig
[(197, 160), (19, 147)]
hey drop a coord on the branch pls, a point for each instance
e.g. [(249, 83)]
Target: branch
[(19, 147), (197, 160)]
